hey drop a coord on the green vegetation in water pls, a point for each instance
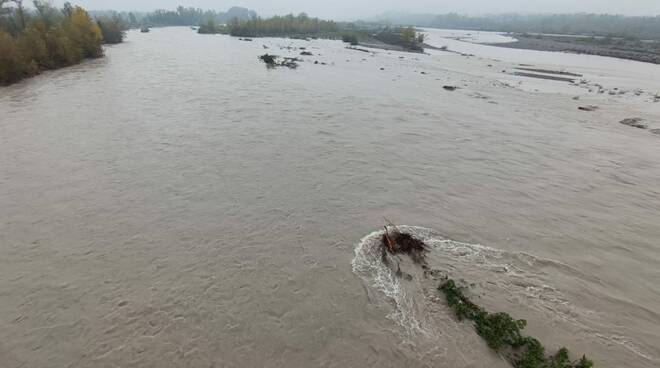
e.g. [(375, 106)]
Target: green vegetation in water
[(406, 37), (273, 61), (32, 41), (211, 27), (350, 38), (503, 334), (113, 29)]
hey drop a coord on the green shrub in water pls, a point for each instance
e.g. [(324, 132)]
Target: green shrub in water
[(503, 334)]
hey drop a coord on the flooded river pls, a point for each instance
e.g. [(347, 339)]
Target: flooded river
[(178, 204)]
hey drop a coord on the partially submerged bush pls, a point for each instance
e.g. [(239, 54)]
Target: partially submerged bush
[(503, 334), (407, 37), (273, 61), (500, 331), (350, 38), (211, 27), (112, 29), (268, 59), (397, 242)]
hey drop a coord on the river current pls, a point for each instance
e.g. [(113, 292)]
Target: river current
[(178, 204)]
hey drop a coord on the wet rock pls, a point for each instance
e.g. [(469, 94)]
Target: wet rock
[(268, 59), (588, 108), (290, 63), (434, 273), (635, 122)]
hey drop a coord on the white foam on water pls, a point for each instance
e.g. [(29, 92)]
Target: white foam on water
[(515, 274), (368, 264)]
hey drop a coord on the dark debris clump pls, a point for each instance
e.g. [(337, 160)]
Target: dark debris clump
[(397, 242)]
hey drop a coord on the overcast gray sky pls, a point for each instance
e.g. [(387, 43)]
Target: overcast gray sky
[(343, 9)]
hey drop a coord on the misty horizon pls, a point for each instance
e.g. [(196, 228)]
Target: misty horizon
[(351, 10)]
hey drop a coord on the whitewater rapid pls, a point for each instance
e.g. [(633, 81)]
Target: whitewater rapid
[(514, 282)]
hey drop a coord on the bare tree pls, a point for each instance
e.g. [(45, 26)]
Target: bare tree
[(4, 10), (21, 12), (46, 11), (67, 9)]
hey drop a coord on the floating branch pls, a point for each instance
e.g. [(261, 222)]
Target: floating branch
[(397, 242), (273, 61), (500, 331)]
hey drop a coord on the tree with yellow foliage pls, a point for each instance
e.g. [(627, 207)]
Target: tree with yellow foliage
[(48, 39), (85, 32)]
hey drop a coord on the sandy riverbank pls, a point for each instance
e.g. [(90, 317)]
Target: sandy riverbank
[(646, 51)]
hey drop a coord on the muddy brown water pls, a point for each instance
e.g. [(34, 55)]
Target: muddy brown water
[(177, 204)]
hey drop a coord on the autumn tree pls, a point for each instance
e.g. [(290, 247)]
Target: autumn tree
[(46, 39)]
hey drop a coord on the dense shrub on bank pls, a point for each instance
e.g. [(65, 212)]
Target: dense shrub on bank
[(350, 38), (303, 26), (211, 27), (407, 37), (113, 29), (49, 38), (288, 25)]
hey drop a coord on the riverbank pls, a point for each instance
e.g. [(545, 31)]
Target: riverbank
[(645, 51), (69, 36)]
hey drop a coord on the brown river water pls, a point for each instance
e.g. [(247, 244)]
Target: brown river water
[(177, 204)]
